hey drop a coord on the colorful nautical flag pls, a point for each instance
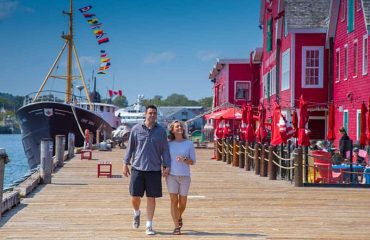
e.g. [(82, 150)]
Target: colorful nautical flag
[(101, 73), (85, 9), (96, 26), (89, 15), (103, 55), (105, 64), (102, 51), (104, 40), (100, 35), (93, 21), (104, 59)]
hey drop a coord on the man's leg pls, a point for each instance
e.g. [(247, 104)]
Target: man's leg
[(150, 208), (135, 201)]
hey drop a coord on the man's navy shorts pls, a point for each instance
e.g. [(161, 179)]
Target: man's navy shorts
[(146, 181)]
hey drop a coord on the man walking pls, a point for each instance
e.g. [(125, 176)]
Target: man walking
[(148, 149)]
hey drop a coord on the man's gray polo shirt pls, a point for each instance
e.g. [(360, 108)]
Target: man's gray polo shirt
[(148, 148)]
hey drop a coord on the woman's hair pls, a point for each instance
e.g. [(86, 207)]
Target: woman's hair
[(171, 136), (342, 130)]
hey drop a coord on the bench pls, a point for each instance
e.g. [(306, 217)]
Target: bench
[(104, 168)]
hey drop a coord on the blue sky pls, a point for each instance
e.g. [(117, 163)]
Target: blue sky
[(157, 47)]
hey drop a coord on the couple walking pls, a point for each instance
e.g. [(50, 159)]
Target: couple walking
[(148, 151)]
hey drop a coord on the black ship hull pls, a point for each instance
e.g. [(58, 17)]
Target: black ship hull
[(48, 119)]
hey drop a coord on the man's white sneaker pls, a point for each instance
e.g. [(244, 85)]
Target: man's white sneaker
[(136, 222), (149, 231)]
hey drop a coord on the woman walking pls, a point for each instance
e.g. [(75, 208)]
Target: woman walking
[(178, 181)]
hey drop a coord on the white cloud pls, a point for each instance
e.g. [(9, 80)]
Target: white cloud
[(155, 58), (207, 55), (7, 7)]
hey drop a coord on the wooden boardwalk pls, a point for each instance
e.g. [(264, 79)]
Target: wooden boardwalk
[(225, 202)]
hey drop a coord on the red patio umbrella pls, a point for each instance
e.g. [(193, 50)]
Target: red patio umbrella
[(363, 124), (303, 139), (250, 137), (331, 123), (368, 124), (261, 133), (232, 113), (244, 113), (276, 137), (295, 123)]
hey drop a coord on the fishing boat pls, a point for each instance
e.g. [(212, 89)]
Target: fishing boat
[(46, 114)]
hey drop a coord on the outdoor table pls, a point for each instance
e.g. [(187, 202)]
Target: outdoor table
[(346, 168)]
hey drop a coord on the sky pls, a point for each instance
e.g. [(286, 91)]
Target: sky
[(156, 47)]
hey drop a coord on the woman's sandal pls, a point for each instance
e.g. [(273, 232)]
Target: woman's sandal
[(177, 231), (180, 223)]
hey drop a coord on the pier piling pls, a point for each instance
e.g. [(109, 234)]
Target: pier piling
[(46, 161), (59, 149)]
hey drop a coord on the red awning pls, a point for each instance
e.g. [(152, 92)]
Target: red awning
[(261, 133)]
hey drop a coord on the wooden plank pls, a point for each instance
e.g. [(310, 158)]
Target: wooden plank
[(225, 202)]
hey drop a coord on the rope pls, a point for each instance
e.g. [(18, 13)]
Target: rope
[(78, 124), (252, 149), (219, 144), (219, 151), (244, 147), (284, 159), (266, 159), (289, 168), (250, 156), (231, 153)]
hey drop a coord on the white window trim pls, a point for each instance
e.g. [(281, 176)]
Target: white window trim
[(321, 66), (286, 52), (343, 12), (363, 55), (337, 59), (358, 113), (250, 90), (345, 62), (355, 74), (344, 113)]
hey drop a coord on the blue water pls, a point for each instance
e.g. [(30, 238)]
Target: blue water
[(18, 165)]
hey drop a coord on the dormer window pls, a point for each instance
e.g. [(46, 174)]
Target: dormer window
[(343, 10), (351, 16)]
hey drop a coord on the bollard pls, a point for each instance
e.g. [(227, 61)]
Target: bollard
[(262, 162), (71, 145), (91, 139), (97, 136), (256, 160), (219, 149), (241, 154), (247, 160), (298, 179), (228, 149), (46, 160), (59, 149), (3, 160), (235, 153), (271, 166), (224, 151)]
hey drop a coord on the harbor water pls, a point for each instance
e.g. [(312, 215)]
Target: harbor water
[(18, 166)]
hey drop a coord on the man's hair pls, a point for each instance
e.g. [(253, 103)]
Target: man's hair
[(152, 107)]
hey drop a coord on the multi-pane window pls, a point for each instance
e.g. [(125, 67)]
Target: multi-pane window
[(345, 119), (285, 70), (364, 55), (243, 90), (359, 5), (345, 62), (355, 56), (343, 9), (337, 65), (273, 81), (312, 67)]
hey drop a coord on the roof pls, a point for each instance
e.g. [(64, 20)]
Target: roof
[(306, 14), (223, 61), (169, 111), (366, 6)]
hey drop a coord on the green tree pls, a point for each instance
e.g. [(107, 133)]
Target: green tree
[(120, 101), (157, 100), (206, 102), (177, 100)]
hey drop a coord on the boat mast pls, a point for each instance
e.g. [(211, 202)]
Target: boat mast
[(69, 39), (71, 51)]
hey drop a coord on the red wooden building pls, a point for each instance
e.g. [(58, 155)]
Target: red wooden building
[(348, 39), (236, 81), (295, 57)]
